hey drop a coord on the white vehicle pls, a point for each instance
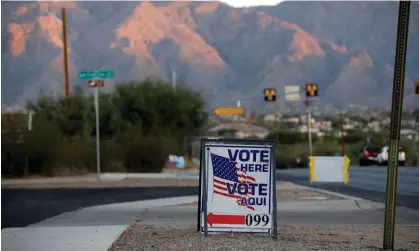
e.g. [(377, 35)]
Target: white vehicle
[(382, 157)]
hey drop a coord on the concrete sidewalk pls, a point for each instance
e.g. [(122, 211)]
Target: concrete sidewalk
[(96, 228)]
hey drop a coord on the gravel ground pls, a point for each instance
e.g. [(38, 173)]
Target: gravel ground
[(291, 238)]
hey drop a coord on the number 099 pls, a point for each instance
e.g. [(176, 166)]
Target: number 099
[(257, 220)]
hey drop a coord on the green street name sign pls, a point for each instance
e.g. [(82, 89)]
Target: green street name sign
[(95, 74)]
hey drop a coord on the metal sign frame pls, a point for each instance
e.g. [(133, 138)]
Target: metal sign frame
[(202, 212)]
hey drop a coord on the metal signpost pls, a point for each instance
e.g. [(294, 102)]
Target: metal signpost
[(237, 187), (396, 115), (96, 83)]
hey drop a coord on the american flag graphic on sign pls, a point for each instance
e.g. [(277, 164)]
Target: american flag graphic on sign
[(226, 171)]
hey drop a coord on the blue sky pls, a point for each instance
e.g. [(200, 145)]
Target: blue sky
[(248, 3)]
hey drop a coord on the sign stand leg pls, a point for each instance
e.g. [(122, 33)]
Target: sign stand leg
[(205, 194), (274, 200), (201, 163)]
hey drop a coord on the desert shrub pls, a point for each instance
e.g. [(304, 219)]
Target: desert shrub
[(111, 156), (330, 149), (27, 152), (143, 152), (75, 155), (286, 155)]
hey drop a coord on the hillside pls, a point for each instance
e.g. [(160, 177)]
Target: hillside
[(226, 53)]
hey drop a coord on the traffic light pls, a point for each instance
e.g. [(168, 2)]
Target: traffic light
[(417, 88), (270, 94), (312, 90)]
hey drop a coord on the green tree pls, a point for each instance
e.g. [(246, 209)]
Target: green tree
[(141, 122), (159, 105)]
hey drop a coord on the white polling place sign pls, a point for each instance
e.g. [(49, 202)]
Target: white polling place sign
[(329, 169), (237, 187)]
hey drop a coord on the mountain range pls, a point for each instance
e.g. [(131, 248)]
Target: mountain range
[(226, 53)]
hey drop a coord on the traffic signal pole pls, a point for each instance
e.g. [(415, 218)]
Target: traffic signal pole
[(276, 123), (310, 143), (270, 96), (311, 91)]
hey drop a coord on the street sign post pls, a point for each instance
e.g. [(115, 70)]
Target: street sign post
[(96, 84), (95, 74), (238, 190), (396, 115)]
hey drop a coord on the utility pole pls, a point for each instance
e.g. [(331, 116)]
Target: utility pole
[(65, 53), (342, 134)]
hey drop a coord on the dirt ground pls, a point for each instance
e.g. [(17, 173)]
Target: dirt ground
[(291, 238)]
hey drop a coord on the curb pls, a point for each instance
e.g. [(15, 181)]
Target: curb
[(103, 176), (121, 176), (149, 204), (165, 175), (359, 202)]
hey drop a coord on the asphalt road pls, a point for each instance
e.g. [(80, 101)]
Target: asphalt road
[(365, 182), (22, 207)]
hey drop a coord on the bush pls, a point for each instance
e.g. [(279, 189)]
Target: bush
[(145, 152), (110, 156), (40, 145), (286, 155), (330, 149), (290, 137), (12, 155), (27, 152), (73, 156)]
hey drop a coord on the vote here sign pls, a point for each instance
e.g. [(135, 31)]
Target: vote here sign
[(239, 187)]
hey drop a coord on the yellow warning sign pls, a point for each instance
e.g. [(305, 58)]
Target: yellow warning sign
[(228, 111)]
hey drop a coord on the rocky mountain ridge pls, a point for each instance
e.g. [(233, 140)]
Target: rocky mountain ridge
[(225, 53)]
